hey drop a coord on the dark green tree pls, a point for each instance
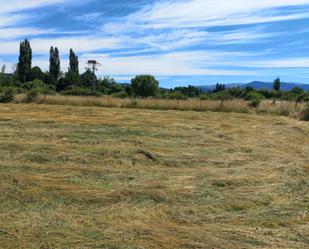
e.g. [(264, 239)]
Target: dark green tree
[(145, 85), (73, 62), (54, 64), (277, 84), (35, 74), (87, 79), (276, 90), (25, 61), (219, 88), (69, 81)]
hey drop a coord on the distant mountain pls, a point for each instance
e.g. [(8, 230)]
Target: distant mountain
[(259, 85)]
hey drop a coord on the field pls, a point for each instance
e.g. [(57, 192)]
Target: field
[(93, 177)]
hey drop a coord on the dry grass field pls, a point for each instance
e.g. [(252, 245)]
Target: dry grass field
[(92, 177), (282, 108)]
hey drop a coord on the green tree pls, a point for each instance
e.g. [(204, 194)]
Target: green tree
[(54, 64), (87, 78), (25, 61), (277, 85), (219, 88), (255, 99), (70, 80), (276, 90), (145, 85), (35, 74), (73, 62), (223, 96)]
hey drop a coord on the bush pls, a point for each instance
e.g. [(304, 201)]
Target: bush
[(34, 84), (255, 99), (205, 97), (7, 95), (39, 86), (177, 95), (31, 95), (121, 95), (81, 91)]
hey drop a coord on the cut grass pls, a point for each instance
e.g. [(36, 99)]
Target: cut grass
[(89, 177)]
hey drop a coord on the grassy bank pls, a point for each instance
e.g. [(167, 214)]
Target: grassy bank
[(87, 177)]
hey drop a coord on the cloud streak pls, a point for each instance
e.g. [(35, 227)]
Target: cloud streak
[(164, 38)]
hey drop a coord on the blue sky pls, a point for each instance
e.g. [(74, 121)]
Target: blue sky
[(181, 42)]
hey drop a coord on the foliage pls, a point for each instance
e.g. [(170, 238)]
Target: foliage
[(255, 99), (189, 91), (219, 88), (7, 80), (81, 91), (222, 96), (25, 61), (37, 87), (176, 95), (87, 79), (70, 80), (145, 86), (54, 64), (36, 84), (73, 62), (7, 95), (36, 74), (32, 95), (121, 95), (277, 84), (26, 77)]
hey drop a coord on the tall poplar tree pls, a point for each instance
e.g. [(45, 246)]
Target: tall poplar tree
[(73, 62), (54, 64), (25, 61)]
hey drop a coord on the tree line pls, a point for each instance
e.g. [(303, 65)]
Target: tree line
[(26, 78)]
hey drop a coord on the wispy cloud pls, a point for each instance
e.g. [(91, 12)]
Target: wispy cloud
[(201, 13), (164, 37), (18, 5)]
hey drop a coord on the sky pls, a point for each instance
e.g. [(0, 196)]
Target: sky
[(181, 42)]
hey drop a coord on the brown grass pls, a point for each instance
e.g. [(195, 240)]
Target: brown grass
[(87, 177), (281, 108), (160, 104)]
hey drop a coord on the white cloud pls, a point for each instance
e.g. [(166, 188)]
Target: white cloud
[(11, 12), (41, 46), (161, 28), (12, 33), (176, 64), (18, 5), (201, 13), (171, 24), (297, 62)]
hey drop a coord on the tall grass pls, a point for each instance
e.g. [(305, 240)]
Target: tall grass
[(150, 103), (282, 108)]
